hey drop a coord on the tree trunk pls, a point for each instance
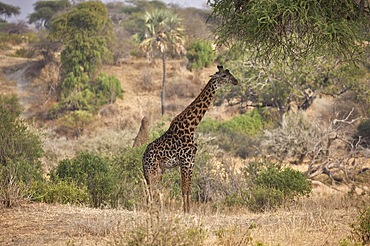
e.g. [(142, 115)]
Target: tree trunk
[(163, 93)]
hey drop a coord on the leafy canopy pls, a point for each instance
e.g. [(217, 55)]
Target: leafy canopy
[(164, 32), (200, 54), (86, 33), (8, 10), (278, 84), (277, 29), (46, 10)]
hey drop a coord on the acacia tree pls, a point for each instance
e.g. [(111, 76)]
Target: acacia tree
[(8, 10), (45, 11), (296, 45), (164, 34), (286, 48), (278, 29)]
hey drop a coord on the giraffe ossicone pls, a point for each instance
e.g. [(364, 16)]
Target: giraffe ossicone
[(176, 147)]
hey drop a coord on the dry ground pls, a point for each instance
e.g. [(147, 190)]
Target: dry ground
[(312, 221)]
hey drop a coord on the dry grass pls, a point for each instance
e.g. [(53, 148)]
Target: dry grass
[(311, 221)]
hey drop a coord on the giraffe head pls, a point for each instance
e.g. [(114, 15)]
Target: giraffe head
[(224, 76)]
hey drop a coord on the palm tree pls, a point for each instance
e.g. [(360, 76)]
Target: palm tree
[(164, 34)]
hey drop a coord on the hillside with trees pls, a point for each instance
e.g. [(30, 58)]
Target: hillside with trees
[(283, 157)]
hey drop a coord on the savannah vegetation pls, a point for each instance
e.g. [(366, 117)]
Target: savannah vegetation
[(285, 53)]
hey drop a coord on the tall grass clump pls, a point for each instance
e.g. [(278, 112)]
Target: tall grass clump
[(161, 229)]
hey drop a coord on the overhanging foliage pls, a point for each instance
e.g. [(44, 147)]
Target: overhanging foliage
[(294, 28)]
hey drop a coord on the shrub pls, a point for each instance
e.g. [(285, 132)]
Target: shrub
[(264, 198), (17, 39), (88, 170), (20, 153), (298, 137), (237, 135), (127, 167), (268, 186), (107, 89), (250, 124), (290, 182), (361, 229), (59, 191), (76, 121), (78, 93), (272, 185), (200, 54)]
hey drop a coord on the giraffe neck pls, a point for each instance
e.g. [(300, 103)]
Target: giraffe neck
[(193, 114)]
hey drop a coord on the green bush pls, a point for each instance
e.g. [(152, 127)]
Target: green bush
[(290, 182), (20, 153), (264, 198), (237, 135), (268, 186), (361, 229), (17, 39), (127, 166), (76, 121), (88, 170), (59, 191), (107, 89), (272, 186), (200, 54), (249, 124), (78, 94)]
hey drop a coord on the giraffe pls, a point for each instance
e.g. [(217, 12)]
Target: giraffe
[(176, 147)]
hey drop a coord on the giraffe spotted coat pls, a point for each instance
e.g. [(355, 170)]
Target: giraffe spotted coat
[(176, 147)]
